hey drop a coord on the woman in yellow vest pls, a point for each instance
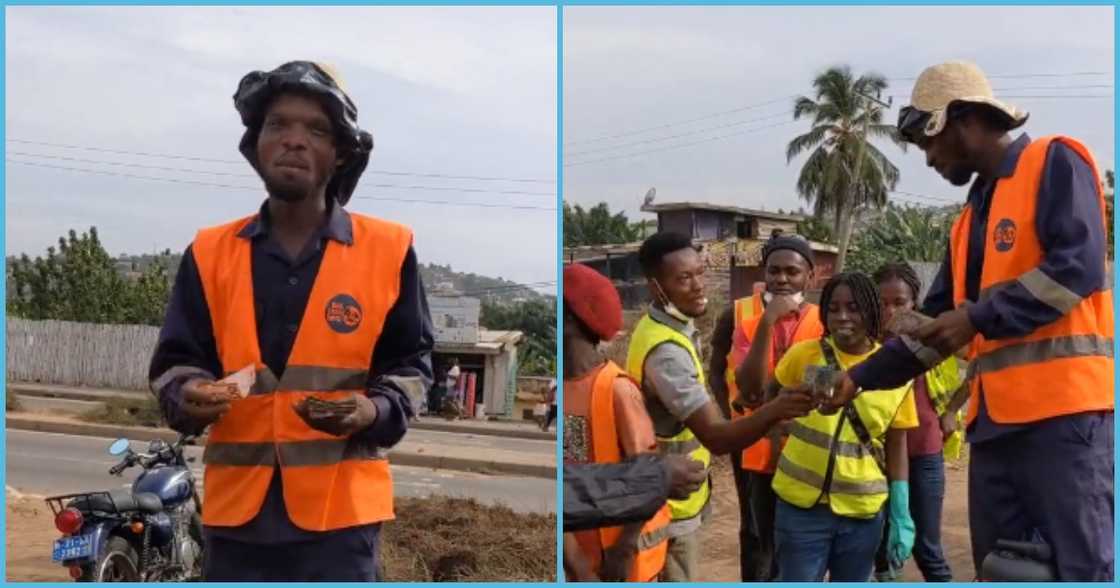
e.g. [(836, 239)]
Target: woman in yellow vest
[(938, 398), (604, 421), (830, 479)]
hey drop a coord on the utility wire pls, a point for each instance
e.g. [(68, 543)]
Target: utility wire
[(677, 136), (680, 146), (258, 188), (242, 162), (792, 96)]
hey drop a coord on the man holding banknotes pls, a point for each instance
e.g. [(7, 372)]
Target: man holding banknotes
[(1024, 289), (315, 324)]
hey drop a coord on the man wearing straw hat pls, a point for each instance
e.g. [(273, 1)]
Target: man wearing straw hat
[(322, 316), (1024, 287)]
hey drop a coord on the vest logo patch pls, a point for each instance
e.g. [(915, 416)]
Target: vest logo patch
[(344, 314), (1004, 235)]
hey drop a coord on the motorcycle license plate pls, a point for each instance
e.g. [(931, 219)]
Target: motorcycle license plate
[(69, 548)]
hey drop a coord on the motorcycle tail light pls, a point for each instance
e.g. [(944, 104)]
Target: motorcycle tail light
[(68, 521), (137, 527), (75, 572)]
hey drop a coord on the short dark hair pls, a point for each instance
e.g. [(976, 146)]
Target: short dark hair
[(657, 246), (899, 271), (866, 296)]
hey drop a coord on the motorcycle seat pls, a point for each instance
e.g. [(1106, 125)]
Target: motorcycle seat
[(119, 500)]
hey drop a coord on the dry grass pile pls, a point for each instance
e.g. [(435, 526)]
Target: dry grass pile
[(440, 539)]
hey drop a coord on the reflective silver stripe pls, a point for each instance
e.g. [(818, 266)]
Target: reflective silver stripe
[(239, 454), (927, 355), (649, 540), (670, 447), (1039, 351), (326, 452), (310, 378), (988, 292), (413, 386), (808, 476), (1049, 292), (824, 441), (174, 372), (292, 453), (266, 382)]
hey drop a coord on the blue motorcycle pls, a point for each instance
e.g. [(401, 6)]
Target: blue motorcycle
[(149, 533)]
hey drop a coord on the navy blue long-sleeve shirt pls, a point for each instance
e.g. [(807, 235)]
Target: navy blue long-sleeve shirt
[(1069, 228), (281, 290)]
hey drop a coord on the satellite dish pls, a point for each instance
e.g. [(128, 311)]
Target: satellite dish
[(649, 196)]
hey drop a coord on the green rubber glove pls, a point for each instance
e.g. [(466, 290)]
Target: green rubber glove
[(900, 540)]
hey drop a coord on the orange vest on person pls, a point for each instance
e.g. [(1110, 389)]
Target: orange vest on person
[(329, 482), (653, 543), (748, 312), (1062, 368)]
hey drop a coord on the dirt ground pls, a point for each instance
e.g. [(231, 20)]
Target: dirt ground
[(433, 539), (721, 533)]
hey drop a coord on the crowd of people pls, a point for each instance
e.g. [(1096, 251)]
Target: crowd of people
[(838, 417)]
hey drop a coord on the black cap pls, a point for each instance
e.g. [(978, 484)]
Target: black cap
[(258, 88), (793, 243)]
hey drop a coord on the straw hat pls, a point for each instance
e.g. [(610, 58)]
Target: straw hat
[(956, 81)]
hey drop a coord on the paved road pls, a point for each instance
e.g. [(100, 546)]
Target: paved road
[(50, 463), (480, 440)]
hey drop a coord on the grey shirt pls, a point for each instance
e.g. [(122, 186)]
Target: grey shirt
[(672, 390)]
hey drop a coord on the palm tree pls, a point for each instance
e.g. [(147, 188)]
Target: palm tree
[(844, 171)]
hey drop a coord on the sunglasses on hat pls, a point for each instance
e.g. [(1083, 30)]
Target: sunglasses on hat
[(912, 123)]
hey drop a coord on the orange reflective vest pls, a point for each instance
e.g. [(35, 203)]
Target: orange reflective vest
[(1062, 368), (653, 543), (748, 312), (329, 482)]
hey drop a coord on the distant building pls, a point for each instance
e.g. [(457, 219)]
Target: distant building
[(490, 355), (731, 239)]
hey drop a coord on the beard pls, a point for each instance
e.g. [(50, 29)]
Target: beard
[(289, 191), (959, 176)]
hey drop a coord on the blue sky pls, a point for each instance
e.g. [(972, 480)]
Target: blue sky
[(456, 91), (628, 69)]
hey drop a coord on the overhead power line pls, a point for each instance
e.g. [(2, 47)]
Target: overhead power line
[(793, 96), (510, 287), (680, 135), (242, 162), (229, 174), (683, 122), (258, 189), (680, 146)]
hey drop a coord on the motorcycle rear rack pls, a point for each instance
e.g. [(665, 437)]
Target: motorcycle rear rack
[(57, 503)]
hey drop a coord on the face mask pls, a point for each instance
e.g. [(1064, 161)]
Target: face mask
[(670, 308), (798, 297)]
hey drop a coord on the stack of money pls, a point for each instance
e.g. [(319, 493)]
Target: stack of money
[(906, 322), (317, 408), (221, 390)]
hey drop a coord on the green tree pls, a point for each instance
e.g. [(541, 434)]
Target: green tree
[(597, 226), (537, 320), (844, 171), (80, 282), (903, 233), (814, 228)]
